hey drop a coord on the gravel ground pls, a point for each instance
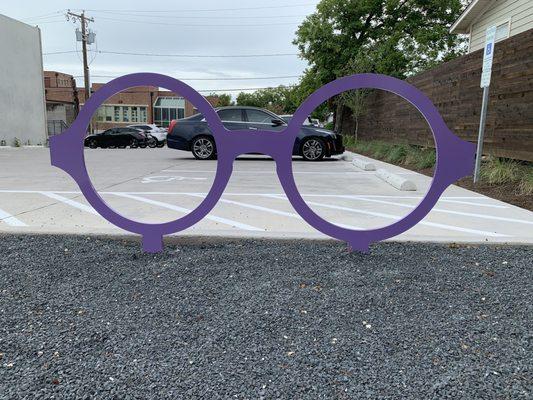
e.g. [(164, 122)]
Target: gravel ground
[(95, 318)]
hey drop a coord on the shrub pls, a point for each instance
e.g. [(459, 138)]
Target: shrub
[(427, 159), (498, 171), (397, 154), (380, 149), (526, 183)]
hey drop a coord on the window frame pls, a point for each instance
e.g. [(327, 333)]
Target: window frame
[(502, 23), (243, 115)]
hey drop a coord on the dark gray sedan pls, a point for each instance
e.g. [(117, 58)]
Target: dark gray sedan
[(193, 134)]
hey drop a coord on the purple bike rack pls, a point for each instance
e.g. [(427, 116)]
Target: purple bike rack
[(455, 157)]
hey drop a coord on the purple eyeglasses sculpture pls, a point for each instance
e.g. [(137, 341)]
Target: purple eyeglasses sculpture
[(455, 157)]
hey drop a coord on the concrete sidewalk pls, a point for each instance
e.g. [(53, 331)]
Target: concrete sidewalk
[(158, 185)]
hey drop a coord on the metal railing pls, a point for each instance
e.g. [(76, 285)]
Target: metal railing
[(56, 126)]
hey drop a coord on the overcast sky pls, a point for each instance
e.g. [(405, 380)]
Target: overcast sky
[(199, 27)]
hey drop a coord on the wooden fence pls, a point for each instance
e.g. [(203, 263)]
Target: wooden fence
[(454, 89)]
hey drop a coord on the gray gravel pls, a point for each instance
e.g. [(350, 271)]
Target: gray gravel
[(95, 318)]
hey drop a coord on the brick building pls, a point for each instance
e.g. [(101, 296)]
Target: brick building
[(143, 104), (61, 101)]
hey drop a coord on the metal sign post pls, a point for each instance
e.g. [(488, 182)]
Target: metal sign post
[(485, 84)]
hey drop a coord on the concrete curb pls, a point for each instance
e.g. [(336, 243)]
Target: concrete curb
[(364, 165), (347, 156), (396, 181)]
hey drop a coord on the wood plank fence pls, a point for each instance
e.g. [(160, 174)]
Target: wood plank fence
[(454, 89)]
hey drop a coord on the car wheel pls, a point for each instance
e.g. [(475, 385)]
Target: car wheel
[(121, 147), (134, 143), (203, 148), (313, 149), (143, 146), (152, 143), (161, 144), (93, 144)]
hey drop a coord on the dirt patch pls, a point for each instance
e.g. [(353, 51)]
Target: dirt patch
[(507, 192)]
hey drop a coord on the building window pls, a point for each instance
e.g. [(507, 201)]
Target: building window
[(168, 108), (121, 114), (502, 32)]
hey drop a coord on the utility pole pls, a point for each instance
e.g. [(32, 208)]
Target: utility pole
[(84, 23)]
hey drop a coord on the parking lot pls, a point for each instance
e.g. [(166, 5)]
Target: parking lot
[(158, 185)]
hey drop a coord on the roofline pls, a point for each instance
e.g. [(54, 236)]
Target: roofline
[(469, 15)]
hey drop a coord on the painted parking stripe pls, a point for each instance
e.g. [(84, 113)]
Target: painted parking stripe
[(188, 211), (10, 219), (273, 211), (462, 213), (469, 203), (481, 197), (275, 173), (396, 217), (70, 202), (254, 207)]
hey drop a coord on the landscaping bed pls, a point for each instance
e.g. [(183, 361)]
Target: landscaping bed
[(503, 179)]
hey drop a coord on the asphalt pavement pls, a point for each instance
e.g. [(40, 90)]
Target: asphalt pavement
[(88, 317)]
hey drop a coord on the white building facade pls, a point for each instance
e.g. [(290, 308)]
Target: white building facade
[(510, 17), (22, 102)]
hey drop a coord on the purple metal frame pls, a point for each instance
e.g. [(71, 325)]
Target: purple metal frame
[(455, 157)]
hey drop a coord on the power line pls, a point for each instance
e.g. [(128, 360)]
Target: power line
[(167, 16), (211, 79), (195, 25), (49, 15), (180, 55), (201, 91), (202, 10)]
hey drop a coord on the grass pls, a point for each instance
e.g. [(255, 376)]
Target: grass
[(400, 154), (499, 171), (525, 187), (496, 171)]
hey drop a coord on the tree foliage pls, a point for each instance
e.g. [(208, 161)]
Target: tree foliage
[(393, 37), (221, 100)]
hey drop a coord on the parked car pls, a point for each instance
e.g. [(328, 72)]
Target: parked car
[(159, 134), (308, 122), (118, 137), (193, 133)]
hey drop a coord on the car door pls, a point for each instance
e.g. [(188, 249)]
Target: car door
[(232, 118), (261, 120), (125, 136), (106, 138)]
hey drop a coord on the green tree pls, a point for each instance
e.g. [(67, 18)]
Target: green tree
[(393, 37), (221, 100), (279, 100)]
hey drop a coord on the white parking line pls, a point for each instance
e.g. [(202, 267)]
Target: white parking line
[(10, 220), (259, 194), (188, 211), (274, 172), (465, 214), (396, 217), (70, 202), (272, 211), (254, 207)]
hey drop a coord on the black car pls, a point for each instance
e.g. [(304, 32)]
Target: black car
[(118, 137), (193, 134)]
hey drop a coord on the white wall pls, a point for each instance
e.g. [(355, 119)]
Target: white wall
[(22, 103), (518, 13)]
